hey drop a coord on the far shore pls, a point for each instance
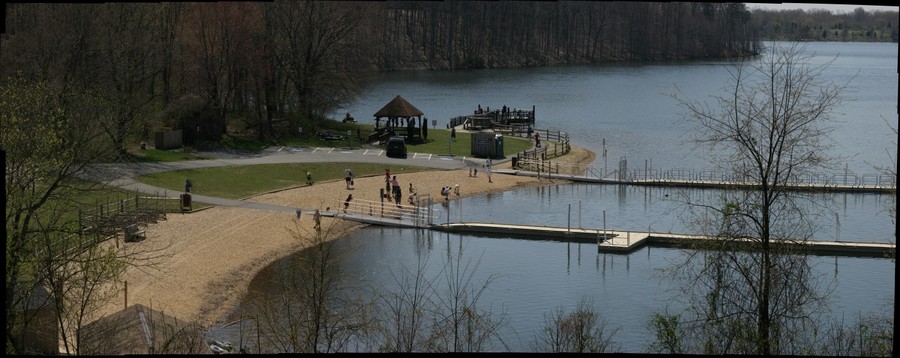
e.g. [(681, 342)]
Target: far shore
[(200, 264)]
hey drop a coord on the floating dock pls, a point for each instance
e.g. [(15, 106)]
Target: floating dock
[(624, 242)]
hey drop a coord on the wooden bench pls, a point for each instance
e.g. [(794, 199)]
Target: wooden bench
[(133, 233)]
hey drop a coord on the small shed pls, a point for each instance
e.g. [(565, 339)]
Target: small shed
[(41, 335), (487, 145), (393, 113)]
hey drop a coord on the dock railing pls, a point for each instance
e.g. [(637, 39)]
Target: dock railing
[(818, 180), (419, 214), (553, 144)]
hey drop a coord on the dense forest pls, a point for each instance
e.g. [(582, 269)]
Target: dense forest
[(194, 65), (821, 25)]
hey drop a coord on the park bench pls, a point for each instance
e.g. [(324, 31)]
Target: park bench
[(133, 233)]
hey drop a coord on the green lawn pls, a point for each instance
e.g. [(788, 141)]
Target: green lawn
[(236, 182), (439, 143), (86, 196)]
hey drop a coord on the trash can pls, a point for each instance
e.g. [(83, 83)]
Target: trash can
[(186, 202)]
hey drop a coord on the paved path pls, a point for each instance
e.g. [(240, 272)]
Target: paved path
[(124, 174)]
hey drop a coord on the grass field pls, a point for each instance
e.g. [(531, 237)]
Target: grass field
[(237, 182), (439, 143)]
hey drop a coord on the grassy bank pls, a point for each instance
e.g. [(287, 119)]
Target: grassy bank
[(236, 182)]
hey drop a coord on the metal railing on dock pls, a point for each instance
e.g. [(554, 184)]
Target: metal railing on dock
[(845, 181), (417, 214)]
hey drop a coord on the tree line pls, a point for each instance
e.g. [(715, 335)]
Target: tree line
[(80, 81), (822, 25), (205, 66)]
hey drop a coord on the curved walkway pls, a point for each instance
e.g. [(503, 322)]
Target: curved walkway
[(123, 175)]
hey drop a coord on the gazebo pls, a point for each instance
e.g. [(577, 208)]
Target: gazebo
[(397, 109)]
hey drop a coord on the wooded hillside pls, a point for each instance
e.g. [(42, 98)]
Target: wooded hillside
[(192, 65)]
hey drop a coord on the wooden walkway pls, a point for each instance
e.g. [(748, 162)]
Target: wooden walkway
[(623, 242), (539, 232), (698, 183)]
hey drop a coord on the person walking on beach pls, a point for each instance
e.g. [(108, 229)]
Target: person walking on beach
[(308, 178), (395, 190), (489, 164), (537, 139), (317, 217), (347, 202), (348, 177)]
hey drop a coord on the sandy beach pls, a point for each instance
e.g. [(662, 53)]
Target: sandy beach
[(200, 264)]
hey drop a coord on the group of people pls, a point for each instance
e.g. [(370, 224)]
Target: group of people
[(473, 171), (392, 191)]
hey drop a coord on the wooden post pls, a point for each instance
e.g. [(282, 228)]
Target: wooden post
[(126, 293)]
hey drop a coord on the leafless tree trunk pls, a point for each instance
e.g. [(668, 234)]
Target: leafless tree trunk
[(404, 317), (748, 294), (582, 330), (315, 308)]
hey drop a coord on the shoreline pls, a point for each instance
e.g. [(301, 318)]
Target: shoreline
[(198, 266)]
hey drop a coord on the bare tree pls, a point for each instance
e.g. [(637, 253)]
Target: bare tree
[(128, 62), (405, 310), (315, 308), (459, 323), (436, 313), (748, 294), (310, 44), (581, 331), (867, 336), (51, 134)]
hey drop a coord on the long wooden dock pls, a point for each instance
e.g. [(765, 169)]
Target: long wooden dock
[(721, 184), (540, 232), (623, 242)]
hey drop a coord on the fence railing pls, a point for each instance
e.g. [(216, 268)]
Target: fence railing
[(692, 176), (109, 218), (846, 179), (553, 144), (419, 213)]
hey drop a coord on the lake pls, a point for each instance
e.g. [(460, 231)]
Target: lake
[(629, 108)]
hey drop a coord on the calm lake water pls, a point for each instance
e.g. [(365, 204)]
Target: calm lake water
[(629, 106)]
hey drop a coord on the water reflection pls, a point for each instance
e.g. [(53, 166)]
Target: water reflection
[(533, 277)]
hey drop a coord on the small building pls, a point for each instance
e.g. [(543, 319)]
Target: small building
[(41, 333), (141, 330)]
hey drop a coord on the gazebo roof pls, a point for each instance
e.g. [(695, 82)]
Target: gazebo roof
[(398, 108)]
